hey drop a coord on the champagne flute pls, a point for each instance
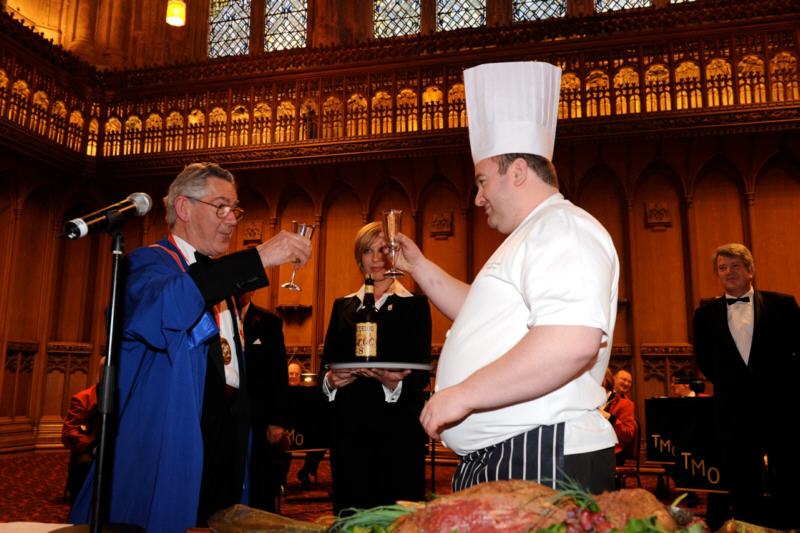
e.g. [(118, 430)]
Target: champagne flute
[(304, 230), (392, 225)]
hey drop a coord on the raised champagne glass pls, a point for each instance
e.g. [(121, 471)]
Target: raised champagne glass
[(392, 225), (304, 230)]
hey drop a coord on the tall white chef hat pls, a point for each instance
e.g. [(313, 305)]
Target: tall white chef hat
[(512, 108)]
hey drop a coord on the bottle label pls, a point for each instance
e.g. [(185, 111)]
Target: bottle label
[(366, 339)]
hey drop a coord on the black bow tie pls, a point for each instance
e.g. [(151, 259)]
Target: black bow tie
[(732, 301)]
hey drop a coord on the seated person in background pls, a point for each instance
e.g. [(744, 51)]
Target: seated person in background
[(619, 411), (682, 386), (295, 374), (79, 435)]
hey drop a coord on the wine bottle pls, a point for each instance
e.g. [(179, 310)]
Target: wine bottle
[(367, 324)]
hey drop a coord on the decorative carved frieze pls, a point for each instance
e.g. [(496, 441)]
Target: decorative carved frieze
[(69, 348), (654, 368), (292, 351), (633, 39), (671, 350), (253, 232), (442, 225), (23, 347), (21, 362), (621, 350), (657, 216)]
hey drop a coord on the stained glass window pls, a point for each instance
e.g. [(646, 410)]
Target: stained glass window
[(569, 105), (455, 14), (719, 79), (784, 77), (752, 80), (601, 6), (332, 114), (687, 86), (598, 101), (626, 87), (229, 28), (285, 24), (657, 89), (456, 107), (395, 17), (538, 9)]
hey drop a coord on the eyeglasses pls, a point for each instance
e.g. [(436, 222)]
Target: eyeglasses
[(222, 210)]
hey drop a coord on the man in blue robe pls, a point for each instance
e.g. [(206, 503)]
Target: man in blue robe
[(183, 410)]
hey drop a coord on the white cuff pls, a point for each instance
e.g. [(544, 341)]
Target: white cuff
[(326, 388), (391, 396)]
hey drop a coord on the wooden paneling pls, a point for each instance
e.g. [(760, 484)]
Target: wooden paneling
[(298, 330), (602, 196), (25, 290), (776, 231), (440, 205), (342, 220), (659, 262), (718, 210), (74, 283)]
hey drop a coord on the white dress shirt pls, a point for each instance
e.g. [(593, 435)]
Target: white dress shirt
[(741, 319), (225, 319)]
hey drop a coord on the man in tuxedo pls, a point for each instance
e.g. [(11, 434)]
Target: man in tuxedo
[(747, 343), (267, 380)]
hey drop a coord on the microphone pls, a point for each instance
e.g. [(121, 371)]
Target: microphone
[(137, 204)]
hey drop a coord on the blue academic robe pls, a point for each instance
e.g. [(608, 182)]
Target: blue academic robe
[(158, 456)]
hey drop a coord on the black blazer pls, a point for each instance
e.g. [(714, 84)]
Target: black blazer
[(267, 384), (756, 394), (404, 335), (267, 374), (377, 447), (220, 279), (225, 424)]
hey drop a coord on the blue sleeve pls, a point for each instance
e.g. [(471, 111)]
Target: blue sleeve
[(159, 299)]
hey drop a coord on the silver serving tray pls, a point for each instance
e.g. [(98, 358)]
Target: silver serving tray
[(382, 364)]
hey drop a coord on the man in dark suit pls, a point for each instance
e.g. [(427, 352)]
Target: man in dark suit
[(265, 354), (747, 343)]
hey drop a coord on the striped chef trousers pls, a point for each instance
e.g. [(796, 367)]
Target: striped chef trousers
[(537, 455)]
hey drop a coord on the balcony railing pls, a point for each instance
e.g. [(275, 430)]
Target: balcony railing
[(729, 69)]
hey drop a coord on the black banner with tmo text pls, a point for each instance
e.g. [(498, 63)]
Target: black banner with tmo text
[(680, 436)]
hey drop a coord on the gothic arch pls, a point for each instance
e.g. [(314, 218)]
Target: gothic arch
[(723, 166), (778, 160), (289, 194), (382, 188), (435, 181), (661, 168), (337, 188), (599, 171)]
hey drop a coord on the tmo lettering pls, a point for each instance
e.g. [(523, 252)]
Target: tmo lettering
[(699, 469), (297, 439), (662, 444)]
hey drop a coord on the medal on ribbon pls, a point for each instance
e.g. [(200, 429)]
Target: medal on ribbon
[(226, 350)]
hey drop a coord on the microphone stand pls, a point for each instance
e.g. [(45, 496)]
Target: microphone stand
[(106, 393)]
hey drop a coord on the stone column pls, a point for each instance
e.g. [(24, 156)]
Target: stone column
[(85, 18), (116, 33)]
